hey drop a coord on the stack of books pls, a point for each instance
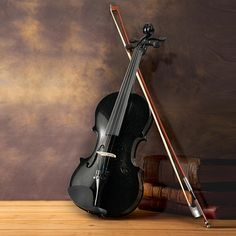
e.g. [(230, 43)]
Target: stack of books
[(213, 182)]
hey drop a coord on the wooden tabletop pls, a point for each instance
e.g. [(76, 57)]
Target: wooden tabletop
[(23, 218)]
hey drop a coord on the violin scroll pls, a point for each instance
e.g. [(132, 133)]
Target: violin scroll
[(148, 29), (147, 39)]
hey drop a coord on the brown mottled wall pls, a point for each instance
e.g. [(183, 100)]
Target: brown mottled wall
[(59, 58)]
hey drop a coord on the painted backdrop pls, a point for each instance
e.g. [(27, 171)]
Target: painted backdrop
[(59, 58)]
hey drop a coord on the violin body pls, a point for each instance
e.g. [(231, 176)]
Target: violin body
[(123, 188), (108, 182)]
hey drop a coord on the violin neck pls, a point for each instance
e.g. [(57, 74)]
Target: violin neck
[(118, 112)]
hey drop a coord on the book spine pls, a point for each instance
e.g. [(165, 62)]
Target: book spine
[(158, 171), (170, 194), (202, 174)]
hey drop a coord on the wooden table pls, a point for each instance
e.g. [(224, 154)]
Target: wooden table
[(23, 218)]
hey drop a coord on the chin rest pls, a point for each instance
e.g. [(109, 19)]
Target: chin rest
[(82, 196)]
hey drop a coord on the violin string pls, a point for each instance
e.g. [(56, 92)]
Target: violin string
[(123, 91), (116, 112), (125, 100)]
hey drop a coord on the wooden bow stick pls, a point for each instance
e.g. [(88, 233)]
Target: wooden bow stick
[(195, 207)]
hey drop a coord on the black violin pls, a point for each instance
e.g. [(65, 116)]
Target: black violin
[(108, 183)]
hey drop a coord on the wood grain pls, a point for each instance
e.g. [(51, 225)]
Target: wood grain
[(63, 218)]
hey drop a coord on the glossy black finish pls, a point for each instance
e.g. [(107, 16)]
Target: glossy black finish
[(122, 190)]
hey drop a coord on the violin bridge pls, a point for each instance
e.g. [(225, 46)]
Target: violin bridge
[(106, 154)]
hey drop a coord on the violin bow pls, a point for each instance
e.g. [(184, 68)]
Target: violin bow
[(195, 207)]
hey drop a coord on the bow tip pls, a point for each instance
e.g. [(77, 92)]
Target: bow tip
[(113, 7)]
